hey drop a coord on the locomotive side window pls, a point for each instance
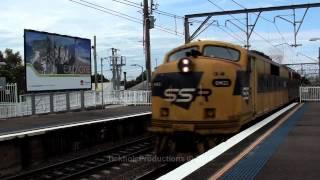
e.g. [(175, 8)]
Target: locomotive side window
[(181, 53), (274, 70), (221, 52)]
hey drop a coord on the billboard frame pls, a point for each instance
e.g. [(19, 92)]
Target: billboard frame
[(25, 66)]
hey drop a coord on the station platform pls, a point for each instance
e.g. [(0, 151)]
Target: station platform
[(288, 149), (290, 152), (33, 124)]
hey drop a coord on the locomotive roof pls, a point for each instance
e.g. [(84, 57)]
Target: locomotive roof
[(223, 43)]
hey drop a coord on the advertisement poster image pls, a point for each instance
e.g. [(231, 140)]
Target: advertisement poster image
[(56, 62)]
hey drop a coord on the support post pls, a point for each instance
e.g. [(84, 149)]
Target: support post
[(146, 23), (125, 80), (67, 101), (95, 62), (294, 27), (51, 103), (16, 92), (114, 68), (186, 30), (319, 66), (142, 78), (82, 99), (247, 31), (33, 104), (102, 82)]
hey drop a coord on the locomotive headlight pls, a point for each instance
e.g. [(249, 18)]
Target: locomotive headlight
[(185, 65), (185, 69), (185, 61)]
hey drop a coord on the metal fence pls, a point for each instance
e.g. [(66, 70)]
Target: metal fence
[(30, 104), (9, 94), (8, 100), (310, 93)]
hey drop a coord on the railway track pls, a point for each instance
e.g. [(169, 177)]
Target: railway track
[(85, 167)]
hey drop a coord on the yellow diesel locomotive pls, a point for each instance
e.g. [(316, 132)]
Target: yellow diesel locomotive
[(206, 91)]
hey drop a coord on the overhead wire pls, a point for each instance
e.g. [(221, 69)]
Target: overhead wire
[(160, 12), (106, 10), (122, 15), (268, 41), (270, 21), (137, 5), (130, 3), (157, 11), (230, 34)]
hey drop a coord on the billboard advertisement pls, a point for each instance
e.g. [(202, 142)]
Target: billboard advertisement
[(56, 62)]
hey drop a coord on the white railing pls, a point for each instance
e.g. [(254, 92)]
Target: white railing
[(9, 94), (128, 97), (310, 93), (8, 101), (47, 103)]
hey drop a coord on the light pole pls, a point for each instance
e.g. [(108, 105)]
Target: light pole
[(142, 78), (317, 39), (102, 101)]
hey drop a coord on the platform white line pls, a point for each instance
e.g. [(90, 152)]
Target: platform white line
[(191, 166), (41, 130)]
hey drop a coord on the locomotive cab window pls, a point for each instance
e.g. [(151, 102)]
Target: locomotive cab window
[(221, 52), (181, 53)]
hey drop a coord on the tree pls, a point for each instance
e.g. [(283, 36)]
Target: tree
[(1, 57), (13, 70), (139, 78), (99, 78)]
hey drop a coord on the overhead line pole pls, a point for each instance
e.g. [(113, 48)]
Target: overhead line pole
[(146, 25), (186, 30), (319, 65), (95, 63)]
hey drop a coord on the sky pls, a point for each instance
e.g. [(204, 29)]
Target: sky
[(69, 18)]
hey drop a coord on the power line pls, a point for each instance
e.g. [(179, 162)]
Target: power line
[(137, 5), (132, 4), (160, 12), (110, 10), (105, 11), (262, 17), (268, 20), (168, 14), (238, 4), (244, 25), (230, 34), (122, 15)]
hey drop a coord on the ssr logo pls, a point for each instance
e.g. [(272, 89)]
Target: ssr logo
[(186, 95)]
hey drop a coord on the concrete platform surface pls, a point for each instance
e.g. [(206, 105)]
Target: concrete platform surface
[(298, 157), (20, 124), (290, 152)]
